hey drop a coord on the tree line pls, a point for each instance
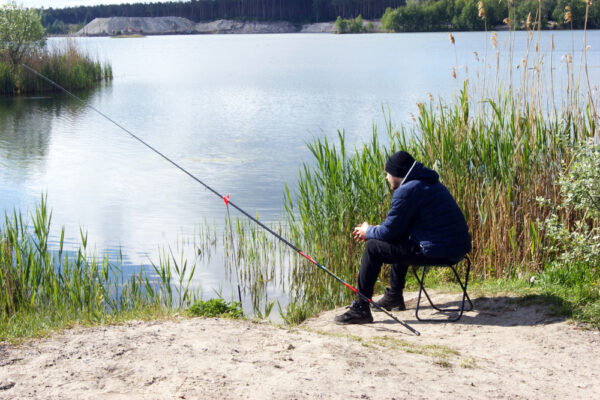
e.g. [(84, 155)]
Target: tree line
[(396, 15), (207, 10), (469, 15)]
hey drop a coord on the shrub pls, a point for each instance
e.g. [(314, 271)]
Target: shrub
[(573, 224), (21, 32), (352, 25), (215, 308)]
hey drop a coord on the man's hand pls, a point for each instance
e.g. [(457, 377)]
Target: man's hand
[(360, 232)]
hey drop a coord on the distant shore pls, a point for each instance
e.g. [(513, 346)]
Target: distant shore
[(116, 26), (146, 26)]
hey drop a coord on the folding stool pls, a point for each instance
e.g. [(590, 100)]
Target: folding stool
[(458, 310)]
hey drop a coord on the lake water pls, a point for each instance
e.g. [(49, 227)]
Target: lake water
[(235, 110)]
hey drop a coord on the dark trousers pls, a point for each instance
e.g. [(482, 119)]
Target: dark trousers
[(400, 255)]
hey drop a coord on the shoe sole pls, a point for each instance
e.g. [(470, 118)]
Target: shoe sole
[(353, 322)]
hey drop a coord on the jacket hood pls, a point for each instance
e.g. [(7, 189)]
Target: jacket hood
[(422, 173)]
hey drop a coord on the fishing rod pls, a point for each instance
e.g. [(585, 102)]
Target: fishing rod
[(227, 200)]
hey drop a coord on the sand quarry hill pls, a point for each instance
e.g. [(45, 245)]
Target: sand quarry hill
[(499, 351), (177, 25)]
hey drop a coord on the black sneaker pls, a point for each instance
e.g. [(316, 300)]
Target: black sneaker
[(391, 302), (358, 313)]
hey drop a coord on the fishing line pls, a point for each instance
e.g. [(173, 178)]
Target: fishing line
[(228, 202)]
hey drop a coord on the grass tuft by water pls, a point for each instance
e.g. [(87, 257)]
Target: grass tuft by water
[(43, 289), (215, 308), (69, 66)]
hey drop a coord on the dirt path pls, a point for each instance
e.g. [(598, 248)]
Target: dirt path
[(497, 351)]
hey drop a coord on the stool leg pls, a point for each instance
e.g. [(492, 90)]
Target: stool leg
[(464, 287), (414, 270)]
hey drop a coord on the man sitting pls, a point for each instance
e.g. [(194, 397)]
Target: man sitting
[(424, 226)]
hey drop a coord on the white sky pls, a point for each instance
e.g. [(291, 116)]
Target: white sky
[(72, 3)]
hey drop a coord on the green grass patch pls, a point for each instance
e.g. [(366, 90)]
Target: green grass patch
[(41, 323), (215, 308), (431, 350), (442, 355), (468, 362), (554, 305), (574, 291)]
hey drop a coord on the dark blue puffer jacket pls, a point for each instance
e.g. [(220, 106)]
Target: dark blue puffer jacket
[(424, 211)]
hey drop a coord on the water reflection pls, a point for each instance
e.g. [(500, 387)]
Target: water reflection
[(25, 133), (26, 127)]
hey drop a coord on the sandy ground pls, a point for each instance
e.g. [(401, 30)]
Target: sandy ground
[(499, 350)]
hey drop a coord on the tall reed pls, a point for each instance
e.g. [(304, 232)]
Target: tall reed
[(258, 261), (41, 284)]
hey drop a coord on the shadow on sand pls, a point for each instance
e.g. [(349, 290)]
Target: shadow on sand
[(505, 311)]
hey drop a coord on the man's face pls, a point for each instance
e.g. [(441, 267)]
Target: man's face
[(393, 181)]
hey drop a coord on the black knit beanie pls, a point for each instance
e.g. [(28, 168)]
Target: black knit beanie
[(399, 163)]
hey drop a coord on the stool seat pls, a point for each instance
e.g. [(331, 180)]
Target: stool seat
[(465, 296)]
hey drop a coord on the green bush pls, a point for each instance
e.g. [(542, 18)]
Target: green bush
[(573, 224), (573, 233), (352, 25), (21, 32), (215, 308)]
